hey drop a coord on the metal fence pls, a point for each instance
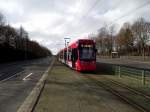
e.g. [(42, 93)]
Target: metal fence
[(136, 73)]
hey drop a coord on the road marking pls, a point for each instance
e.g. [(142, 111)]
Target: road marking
[(25, 78), (11, 77), (30, 102)]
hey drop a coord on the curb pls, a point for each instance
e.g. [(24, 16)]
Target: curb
[(31, 100)]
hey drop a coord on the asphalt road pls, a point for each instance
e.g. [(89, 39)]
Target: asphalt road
[(126, 62), (17, 80)]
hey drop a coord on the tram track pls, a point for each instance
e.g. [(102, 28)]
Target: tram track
[(144, 94), (121, 92)]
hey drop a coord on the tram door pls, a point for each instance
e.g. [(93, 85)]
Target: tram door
[(74, 57)]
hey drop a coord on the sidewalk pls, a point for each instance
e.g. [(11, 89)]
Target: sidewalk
[(68, 91)]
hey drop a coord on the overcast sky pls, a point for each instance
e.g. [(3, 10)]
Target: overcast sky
[(50, 21)]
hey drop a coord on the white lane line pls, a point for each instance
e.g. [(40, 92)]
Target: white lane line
[(10, 77), (25, 78), (31, 100)]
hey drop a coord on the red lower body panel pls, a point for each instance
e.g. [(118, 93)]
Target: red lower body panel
[(86, 66)]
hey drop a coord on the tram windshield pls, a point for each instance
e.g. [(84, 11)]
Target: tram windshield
[(87, 52)]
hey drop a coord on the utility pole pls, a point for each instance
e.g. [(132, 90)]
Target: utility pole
[(111, 42), (25, 48)]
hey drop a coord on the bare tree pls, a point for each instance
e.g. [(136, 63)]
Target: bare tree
[(105, 39), (140, 30), (125, 38), (102, 34), (111, 31)]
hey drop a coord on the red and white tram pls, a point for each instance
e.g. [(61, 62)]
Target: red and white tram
[(80, 55)]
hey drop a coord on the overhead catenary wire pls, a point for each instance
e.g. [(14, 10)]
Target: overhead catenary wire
[(130, 12), (83, 16), (91, 8), (87, 12), (113, 21), (116, 19)]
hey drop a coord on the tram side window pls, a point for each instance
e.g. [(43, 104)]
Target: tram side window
[(74, 55)]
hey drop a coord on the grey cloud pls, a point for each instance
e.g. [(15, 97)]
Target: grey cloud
[(83, 20)]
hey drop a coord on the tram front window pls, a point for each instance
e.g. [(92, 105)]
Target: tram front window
[(87, 52)]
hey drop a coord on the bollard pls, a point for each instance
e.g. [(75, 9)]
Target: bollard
[(143, 77)]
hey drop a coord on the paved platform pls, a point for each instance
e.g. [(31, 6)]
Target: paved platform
[(68, 91)]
